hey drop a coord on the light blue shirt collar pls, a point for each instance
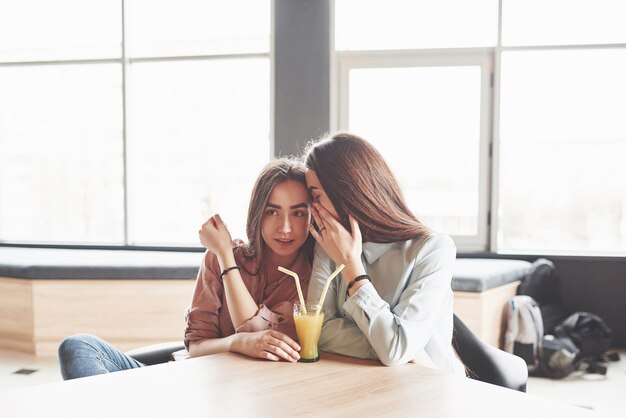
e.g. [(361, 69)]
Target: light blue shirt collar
[(372, 250)]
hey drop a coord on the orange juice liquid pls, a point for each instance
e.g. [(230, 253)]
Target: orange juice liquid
[(308, 328)]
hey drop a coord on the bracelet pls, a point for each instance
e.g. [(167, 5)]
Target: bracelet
[(357, 279), (225, 271)]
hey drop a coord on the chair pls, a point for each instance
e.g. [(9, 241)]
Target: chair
[(156, 353), (487, 363)]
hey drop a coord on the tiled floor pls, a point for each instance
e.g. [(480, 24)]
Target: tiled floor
[(605, 394), (10, 362)]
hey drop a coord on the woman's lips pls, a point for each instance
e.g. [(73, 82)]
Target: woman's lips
[(284, 241)]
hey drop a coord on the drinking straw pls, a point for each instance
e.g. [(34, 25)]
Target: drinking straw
[(297, 279), (330, 278)]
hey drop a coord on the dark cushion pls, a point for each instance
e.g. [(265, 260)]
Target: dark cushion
[(480, 274), (53, 263), (471, 274)]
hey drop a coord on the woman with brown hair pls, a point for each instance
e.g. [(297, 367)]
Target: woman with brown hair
[(241, 302), (393, 300)]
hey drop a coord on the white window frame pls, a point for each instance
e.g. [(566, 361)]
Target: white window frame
[(481, 57)]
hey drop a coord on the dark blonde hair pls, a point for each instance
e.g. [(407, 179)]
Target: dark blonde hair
[(358, 182), (276, 172)]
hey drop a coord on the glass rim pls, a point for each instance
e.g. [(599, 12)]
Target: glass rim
[(307, 303)]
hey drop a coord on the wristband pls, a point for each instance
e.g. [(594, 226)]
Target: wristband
[(225, 271), (357, 279)]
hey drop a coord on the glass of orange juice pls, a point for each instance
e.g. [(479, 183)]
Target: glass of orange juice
[(308, 327)]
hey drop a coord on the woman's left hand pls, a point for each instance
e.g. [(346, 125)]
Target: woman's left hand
[(341, 246)]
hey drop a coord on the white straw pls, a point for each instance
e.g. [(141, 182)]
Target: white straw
[(297, 279), (330, 279)]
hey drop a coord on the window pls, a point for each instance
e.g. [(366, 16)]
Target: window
[(61, 167), (563, 22), (196, 144), (403, 107), (362, 25), (39, 30), (119, 120), (563, 144), (403, 100), (197, 27), (537, 169), (561, 129)]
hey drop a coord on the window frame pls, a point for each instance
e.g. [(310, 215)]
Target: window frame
[(481, 57)]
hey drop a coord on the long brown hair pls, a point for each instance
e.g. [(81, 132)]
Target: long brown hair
[(274, 173), (358, 182)]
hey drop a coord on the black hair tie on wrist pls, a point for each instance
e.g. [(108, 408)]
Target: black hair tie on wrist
[(225, 271), (356, 279)]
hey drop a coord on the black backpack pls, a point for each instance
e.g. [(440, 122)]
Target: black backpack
[(557, 357), (588, 331), (580, 343), (541, 283)]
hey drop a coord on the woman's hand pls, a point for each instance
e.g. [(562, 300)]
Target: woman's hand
[(341, 246), (215, 237), (269, 344)]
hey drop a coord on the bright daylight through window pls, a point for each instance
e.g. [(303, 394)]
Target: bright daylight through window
[(116, 117), (529, 159), (119, 119)]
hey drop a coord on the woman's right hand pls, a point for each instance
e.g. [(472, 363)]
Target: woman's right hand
[(268, 344), (214, 236)]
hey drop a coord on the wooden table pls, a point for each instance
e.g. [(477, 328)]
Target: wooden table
[(233, 385)]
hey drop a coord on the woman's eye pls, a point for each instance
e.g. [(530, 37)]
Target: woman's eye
[(299, 214), (271, 212)]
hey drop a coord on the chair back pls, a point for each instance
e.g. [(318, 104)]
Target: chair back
[(487, 363), (156, 353)]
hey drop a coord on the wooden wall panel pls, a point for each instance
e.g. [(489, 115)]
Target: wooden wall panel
[(16, 315), (36, 315), (126, 313), (483, 312)]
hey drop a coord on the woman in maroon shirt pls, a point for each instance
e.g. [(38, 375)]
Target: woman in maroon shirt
[(242, 302)]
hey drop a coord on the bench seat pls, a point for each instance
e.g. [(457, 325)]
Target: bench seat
[(482, 288)]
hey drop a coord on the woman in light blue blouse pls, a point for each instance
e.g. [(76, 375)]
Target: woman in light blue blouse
[(393, 300)]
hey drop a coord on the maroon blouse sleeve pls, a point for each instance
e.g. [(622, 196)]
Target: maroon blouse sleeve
[(202, 318)]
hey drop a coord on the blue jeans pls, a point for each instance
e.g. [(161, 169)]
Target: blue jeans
[(85, 355)]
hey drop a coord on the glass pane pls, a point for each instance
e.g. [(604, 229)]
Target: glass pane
[(198, 138), (197, 27), (563, 146), (426, 122), (413, 24), (32, 30), (61, 169), (561, 22)]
